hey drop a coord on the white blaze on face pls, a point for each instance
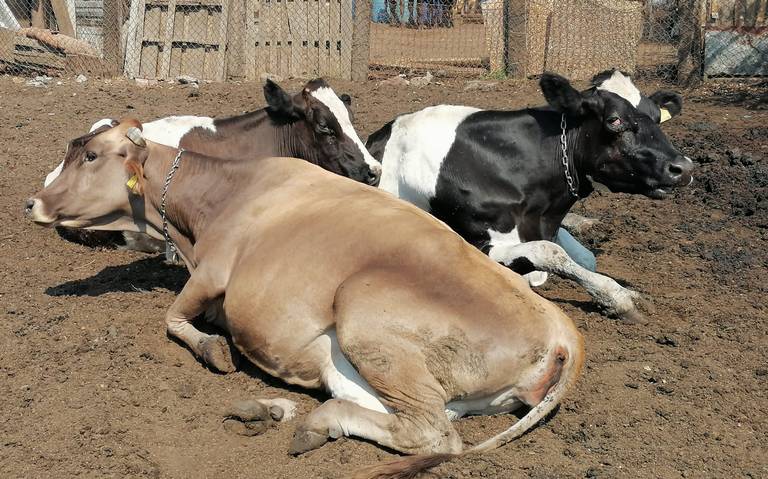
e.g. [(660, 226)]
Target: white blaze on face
[(166, 131), (329, 98), (622, 85)]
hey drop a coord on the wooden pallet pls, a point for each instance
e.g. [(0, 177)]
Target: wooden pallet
[(168, 38), (298, 38)]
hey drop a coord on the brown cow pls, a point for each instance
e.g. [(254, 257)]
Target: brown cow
[(324, 282)]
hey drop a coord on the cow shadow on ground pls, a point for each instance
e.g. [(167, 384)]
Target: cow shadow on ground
[(140, 276)]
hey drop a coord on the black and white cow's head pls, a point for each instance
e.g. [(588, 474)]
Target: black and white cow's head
[(661, 106), (626, 150), (328, 137)]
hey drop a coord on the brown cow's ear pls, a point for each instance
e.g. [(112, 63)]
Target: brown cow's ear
[(136, 181)]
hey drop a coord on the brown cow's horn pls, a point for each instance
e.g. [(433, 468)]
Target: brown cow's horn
[(134, 134)]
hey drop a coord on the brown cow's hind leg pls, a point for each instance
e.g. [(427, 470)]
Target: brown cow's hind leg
[(408, 432), (193, 300)]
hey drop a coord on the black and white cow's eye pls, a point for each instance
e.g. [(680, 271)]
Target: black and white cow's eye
[(614, 121), (90, 156), (324, 129)]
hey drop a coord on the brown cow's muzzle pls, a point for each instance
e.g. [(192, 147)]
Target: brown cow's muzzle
[(35, 210)]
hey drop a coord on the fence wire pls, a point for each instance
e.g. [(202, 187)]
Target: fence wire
[(218, 40)]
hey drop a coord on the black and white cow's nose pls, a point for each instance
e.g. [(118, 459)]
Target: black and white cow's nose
[(28, 206), (372, 178), (680, 169)]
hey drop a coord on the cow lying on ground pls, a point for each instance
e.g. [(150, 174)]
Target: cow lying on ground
[(314, 125), (504, 180), (328, 283)]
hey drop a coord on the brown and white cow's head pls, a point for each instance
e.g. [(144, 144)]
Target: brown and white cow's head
[(627, 150), (330, 139), (99, 186)]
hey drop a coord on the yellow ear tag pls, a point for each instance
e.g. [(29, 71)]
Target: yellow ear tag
[(132, 182), (664, 115)]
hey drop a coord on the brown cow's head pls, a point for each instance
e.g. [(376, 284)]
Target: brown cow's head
[(328, 137), (95, 188)]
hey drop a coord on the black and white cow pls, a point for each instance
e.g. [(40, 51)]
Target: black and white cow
[(501, 180)]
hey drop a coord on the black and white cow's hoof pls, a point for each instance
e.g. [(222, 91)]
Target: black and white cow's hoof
[(305, 440), (218, 354), (637, 313)]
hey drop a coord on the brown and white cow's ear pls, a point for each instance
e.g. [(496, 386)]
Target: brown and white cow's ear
[(670, 104), (281, 106), (563, 97), (130, 123), (136, 178)]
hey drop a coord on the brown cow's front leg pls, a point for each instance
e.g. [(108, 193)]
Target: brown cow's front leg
[(193, 300)]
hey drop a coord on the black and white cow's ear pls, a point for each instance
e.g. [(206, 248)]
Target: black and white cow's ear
[(669, 102), (562, 96), (346, 99), (281, 105)]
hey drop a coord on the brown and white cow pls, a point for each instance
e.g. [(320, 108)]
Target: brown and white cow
[(324, 282), (314, 125)]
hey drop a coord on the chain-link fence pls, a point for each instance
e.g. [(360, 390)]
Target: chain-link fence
[(218, 40)]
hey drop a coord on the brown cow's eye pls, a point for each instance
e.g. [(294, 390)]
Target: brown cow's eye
[(90, 156)]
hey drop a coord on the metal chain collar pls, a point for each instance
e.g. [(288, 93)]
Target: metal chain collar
[(564, 159), (171, 253)]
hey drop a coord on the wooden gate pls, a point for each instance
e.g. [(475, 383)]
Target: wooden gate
[(287, 38), (299, 38), (177, 37)]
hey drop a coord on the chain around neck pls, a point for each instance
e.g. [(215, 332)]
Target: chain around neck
[(564, 159), (171, 253)]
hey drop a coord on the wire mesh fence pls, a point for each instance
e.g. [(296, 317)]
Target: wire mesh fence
[(219, 40)]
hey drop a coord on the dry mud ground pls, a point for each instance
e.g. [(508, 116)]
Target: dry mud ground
[(90, 386)]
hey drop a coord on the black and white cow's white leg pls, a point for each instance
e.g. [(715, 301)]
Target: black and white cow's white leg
[(551, 258)]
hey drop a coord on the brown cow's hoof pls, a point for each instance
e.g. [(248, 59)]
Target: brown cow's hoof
[(248, 410), (217, 354), (248, 428), (305, 440)]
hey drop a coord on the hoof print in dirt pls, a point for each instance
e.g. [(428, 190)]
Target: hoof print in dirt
[(251, 417)]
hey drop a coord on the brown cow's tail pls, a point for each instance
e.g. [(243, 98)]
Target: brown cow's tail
[(403, 468), (409, 467), (556, 393)]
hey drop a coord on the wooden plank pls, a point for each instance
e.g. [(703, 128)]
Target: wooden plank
[(333, 37), (38, 14), (323, 19), (61, 13), (167, 37), (149, 55), (347, 26), (251, 37), (174, 69), (193, 61), (135, 34), (361, 47), (152, 21), (283, 39), (111, 44), (313, 45), (297, 18), (234, 51), (220, 54)]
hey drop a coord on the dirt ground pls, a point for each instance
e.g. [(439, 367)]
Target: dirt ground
[(91, 386)]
